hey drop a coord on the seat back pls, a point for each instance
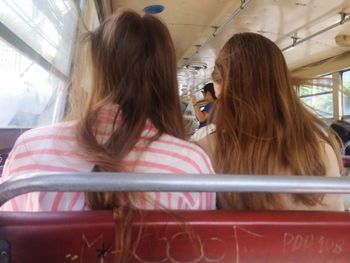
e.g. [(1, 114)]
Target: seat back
[(181, 236), (207, 236)]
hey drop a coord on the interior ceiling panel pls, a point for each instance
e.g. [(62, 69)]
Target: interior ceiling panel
[(193, 22), (190, 22)]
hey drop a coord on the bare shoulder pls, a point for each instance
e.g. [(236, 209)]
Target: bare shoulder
[(331, 202), (331, 160), (208, 144)]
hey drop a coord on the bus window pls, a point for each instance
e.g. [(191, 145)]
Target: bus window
[(30, 95), (36, 48), (319, 96), (346, 92)]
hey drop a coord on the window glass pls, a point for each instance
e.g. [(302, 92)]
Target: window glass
[(37, 39), (322, 105), (29, 95), (49, 27), (318, 97), (346, 92)]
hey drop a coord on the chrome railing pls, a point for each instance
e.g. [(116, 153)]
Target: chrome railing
[(129, 182)]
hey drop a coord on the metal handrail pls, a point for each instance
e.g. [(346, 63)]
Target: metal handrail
[(296, 41), (141, 182), (218, 30)]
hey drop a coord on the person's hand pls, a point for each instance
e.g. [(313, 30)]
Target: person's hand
[(193, 100)]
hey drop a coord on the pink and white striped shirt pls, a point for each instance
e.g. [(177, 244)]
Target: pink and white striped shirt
[(55, 149)]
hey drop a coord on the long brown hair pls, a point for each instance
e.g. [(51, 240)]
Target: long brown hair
[(262, 126), (133, 65)]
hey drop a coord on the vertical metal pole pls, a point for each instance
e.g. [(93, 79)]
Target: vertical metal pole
[(337, 100)]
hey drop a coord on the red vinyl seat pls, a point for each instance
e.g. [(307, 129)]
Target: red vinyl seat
[(215, 236)]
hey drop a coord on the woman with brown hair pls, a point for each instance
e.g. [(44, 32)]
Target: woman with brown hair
[(131, 123), (263, 128)]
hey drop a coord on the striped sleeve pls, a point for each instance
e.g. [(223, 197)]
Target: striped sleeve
[(42, 150), (10, 161), (11, 205), (55, 149), (184, 156), (172, 155), (207, 200)]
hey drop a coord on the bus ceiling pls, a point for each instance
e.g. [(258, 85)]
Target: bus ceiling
[(306, 30)]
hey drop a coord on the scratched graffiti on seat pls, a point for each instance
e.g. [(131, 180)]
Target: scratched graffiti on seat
[(172, 248), (241, 244)]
